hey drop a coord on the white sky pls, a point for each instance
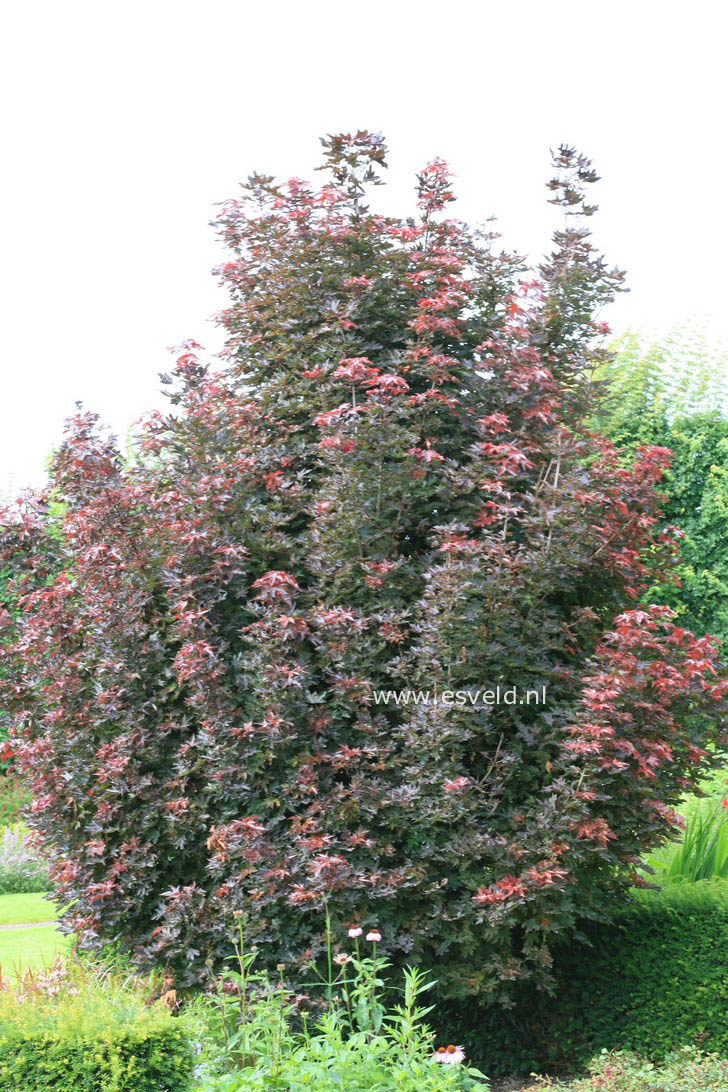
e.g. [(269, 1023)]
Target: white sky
[(125, 122)]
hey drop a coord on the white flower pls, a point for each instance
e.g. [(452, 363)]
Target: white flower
[(374, 935), (355, 931)]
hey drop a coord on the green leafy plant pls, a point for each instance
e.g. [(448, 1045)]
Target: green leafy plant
[(70, 1028), (702, 852), (257, 1035), (684, 1071)]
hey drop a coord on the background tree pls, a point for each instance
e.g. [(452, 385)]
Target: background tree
[(388, 483), (675, 393)]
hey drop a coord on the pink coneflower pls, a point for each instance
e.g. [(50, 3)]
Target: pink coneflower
[(374, 935), (355, 931), (449, 1055)]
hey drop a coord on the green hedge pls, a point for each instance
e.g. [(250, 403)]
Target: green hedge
[(654, 981), (91, 1039)]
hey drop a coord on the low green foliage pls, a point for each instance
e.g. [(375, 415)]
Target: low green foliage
[(653, 981), (328, 1061), (66, 1030), (702, 853), (683, 1071), (256, 1039)]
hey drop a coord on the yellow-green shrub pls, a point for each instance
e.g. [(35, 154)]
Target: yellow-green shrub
[(73, 1034)]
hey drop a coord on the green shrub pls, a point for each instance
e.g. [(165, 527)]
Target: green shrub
[(330, 1062), (652, 982), (684, 1071), (254, 1036), (64, 1031)]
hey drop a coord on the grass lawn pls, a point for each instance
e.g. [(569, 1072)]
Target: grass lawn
[(29, 949), (23, 949), (25, 909)]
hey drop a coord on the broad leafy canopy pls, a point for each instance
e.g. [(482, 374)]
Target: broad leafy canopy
[(386, 483)]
